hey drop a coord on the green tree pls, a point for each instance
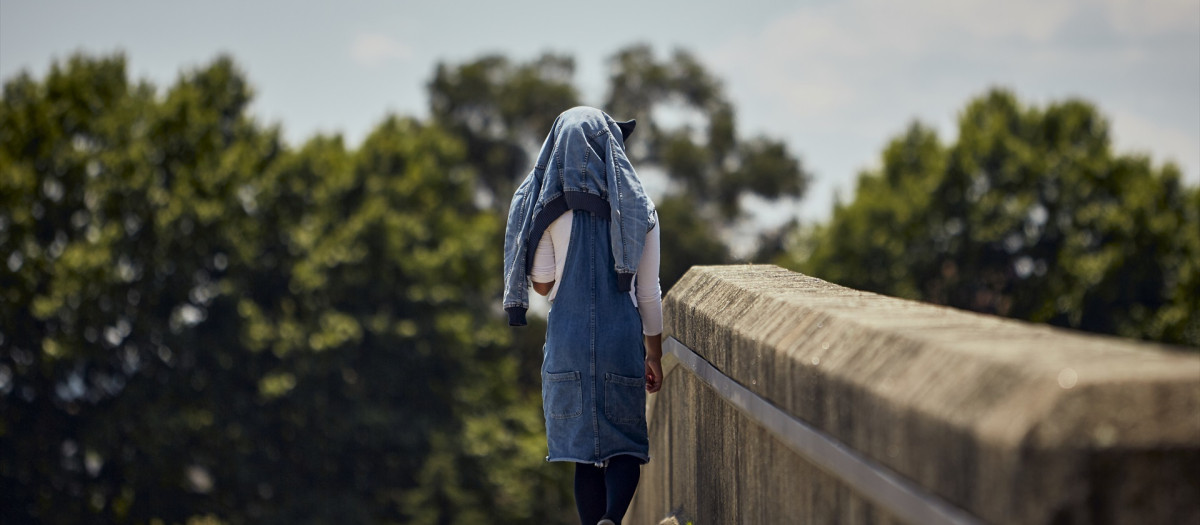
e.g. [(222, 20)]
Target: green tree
[(1029, 214), (200, 322), (709, 167), (118, 217), (501, 110)]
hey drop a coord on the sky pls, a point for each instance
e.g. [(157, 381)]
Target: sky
[(834, 79)]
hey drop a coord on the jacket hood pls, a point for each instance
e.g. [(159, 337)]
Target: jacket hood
[(582, 166), (626, 129)]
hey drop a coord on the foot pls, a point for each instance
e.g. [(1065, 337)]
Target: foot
[(606, 521)]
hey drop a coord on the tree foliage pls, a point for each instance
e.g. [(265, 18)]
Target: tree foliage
[(709, 167), (1029, 214), (502, 110), (202, 322)]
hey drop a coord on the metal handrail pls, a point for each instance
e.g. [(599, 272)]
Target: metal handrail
[(897, 495)]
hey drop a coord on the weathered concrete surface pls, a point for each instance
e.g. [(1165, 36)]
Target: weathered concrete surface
[(1013, 422)]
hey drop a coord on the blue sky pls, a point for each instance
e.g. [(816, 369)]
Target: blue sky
[(835, 80)]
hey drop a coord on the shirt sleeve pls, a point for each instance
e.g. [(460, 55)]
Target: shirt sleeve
[(648, 290), (543, 260)]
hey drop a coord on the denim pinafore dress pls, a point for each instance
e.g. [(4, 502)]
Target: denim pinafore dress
[(593, 367)]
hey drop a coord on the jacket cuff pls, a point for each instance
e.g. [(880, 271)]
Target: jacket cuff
[(516, 316), (624, 281)]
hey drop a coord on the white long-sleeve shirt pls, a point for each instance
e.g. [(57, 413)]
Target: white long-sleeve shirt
[(551, 257)]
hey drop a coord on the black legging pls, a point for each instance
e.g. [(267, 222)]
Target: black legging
[(605, 492)]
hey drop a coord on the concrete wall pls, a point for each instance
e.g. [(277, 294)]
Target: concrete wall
[(1008, 421)]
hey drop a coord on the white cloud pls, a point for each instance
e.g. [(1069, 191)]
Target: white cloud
[(821, 59), (841, 78), (1133, 133), (1149, 17), (373, 50)]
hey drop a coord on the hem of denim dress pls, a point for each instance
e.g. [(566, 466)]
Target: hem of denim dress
[(516, 315), (644, 458)]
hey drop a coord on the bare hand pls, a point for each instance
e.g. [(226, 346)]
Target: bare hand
[(654, 375)]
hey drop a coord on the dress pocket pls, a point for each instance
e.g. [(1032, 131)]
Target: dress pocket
[(624, 399), (563, 395)]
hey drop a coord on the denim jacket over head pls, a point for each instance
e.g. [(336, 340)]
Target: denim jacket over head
[(581, 166)]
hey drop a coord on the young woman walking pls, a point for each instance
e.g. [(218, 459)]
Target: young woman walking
[(583, 231)]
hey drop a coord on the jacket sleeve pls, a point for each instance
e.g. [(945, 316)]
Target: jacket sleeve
[(516, 232), (632, 213)]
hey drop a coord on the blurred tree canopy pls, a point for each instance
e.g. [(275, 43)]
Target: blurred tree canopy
[(204, 324), (200, 321), (1029, 214)]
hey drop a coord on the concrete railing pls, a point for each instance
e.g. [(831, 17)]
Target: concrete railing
[(792, 400)]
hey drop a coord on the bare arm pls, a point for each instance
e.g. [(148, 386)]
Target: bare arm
[(543, 288), (654, 374), (649, 299)]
